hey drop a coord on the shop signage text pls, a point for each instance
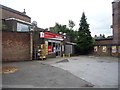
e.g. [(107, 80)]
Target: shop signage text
[(51, 35)]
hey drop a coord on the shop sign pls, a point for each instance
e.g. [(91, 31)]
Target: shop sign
[(51, 35), (114, 49), (104, 49)]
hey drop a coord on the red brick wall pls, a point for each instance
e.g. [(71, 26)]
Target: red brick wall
[(8, 14), (15, 46), (102, 42), (100, 51)]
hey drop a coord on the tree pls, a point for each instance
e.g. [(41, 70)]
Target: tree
[(71, 24), (62, 28), (85, 41)]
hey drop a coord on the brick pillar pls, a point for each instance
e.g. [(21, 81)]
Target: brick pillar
[(31, 45), (116, 22)]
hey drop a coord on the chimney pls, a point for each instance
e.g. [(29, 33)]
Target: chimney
[(24, 11)]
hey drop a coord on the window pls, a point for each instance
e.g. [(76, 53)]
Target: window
[(22, 27), (54, 47), (114, 49), (119, 49), (62, 48), (95, 48), (104, 49)]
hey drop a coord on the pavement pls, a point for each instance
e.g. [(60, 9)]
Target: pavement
[(73, 72)]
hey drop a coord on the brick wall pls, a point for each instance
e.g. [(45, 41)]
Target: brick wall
[(116, 34), (15, 46), (116, 22), (104, 42), (100, 50)]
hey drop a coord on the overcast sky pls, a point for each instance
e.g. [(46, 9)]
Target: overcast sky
[(48, 12)]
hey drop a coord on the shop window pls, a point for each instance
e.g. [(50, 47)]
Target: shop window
[(54, 47), (57, 46), (62, 48), (119, 49), (95, 48), (104, 49), (114, 49), (22, 27)]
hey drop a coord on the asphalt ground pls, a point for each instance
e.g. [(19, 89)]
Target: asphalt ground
[(34, 74), (68, 72), (101, 71)]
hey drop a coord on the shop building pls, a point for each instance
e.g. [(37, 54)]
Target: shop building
[(49, 45)]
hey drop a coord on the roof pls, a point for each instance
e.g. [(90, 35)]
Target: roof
[(14, 11), (71, 43), (19, 20), (104, 39)]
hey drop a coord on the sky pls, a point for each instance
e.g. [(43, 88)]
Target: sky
[(49, 12)]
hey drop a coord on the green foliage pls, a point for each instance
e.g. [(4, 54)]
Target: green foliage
[(85, 41), (59, 28), (62, 28)]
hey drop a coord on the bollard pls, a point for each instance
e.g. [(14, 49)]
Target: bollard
[(68, 54), (63, 55)]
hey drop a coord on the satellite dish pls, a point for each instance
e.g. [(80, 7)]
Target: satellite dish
[(34, 23)]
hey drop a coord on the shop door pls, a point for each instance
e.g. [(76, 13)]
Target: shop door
[(68, 49)]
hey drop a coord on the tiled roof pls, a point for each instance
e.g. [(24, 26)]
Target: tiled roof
[(14, 11)]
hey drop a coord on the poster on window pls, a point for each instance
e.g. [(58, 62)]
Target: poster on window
[(50, 49), (95, 48), (104, 49), (119, 49), (114, 49), (62, 48)]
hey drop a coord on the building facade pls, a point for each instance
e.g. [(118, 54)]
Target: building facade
[(13, 20), (16, 39), (111, 46), (47, 45)]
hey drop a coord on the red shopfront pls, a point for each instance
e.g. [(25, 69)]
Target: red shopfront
[(54, 44)]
